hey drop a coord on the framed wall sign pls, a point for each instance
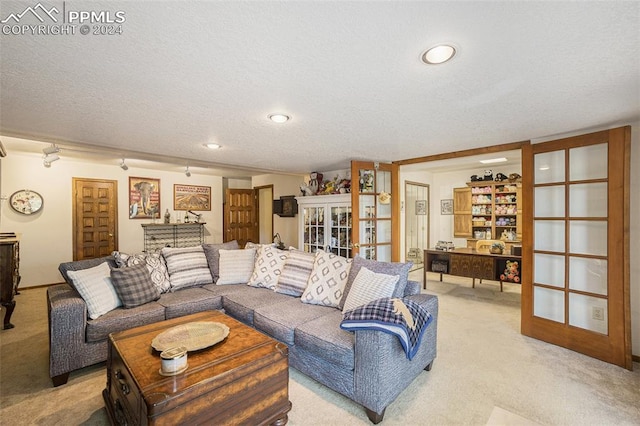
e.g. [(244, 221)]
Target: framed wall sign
[(446, 206), (144, 198), (421, 207), (191, 197)]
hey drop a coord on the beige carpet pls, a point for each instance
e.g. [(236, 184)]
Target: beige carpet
[(486, 373)]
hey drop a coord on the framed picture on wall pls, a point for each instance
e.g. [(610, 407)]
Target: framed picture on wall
[(191, 197), (446, 206), (144, 198), (421, 207)]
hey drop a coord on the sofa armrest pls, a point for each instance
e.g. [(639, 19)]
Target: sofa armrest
[(382, 370), (67, 321), (413, 287)]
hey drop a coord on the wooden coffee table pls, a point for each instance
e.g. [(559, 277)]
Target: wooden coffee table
[(242, 380)]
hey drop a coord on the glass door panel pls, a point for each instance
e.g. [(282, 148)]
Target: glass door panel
[(588, 162), (588, 275), (374, 201)]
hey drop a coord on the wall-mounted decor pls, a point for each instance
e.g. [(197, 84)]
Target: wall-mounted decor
[(286, 206), (191, 197), (446, 206), (144, 198), (421, 207)]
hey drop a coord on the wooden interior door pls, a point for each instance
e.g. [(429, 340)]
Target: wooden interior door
[(576, 239), (376, 221), (95, 217), (241, 216)]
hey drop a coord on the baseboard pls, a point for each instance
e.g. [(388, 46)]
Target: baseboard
[(33, 287), (635, 358)]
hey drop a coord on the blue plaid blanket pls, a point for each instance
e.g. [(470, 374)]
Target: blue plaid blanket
[(401, 317)]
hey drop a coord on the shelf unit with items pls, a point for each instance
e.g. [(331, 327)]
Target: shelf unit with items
[(159, 235), (325, 223), (494, 212)]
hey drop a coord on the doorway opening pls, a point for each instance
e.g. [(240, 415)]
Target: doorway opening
[(265, 213), (416, 219)]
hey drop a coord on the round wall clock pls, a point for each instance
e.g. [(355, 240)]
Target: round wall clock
[(26, 201)]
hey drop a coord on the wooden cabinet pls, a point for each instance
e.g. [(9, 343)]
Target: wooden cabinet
[(9, 275), (494, 212), (462, 213), (325, 223)]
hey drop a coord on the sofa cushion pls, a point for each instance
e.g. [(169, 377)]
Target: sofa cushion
[(134, 286), (327, 280), (388, 268), (236, 266), (268, 267), (155, 264), (369, 286), (187, 266), (324, 338), (240, 304), (280, 320), (212, 253), (96, 289), (296, 273), (189, 301), (123, 319)]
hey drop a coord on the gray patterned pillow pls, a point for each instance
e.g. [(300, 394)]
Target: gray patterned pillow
[(268, 267), (155, 264), (134, 286), (296, 273), (388, 268), (212, 253), (328, 279), (187, 266)]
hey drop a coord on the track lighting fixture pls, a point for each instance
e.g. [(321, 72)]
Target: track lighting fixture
[(49, 158), (51, 149), (123, 166), (187, 172)]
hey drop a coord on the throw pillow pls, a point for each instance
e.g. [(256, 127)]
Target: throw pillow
[(369, 286), (95, 288), (295, 273), (134, 285), (388, 268), (155, 264), (268, 267), (187, 266), (211, 251), (236, 266), (328, 279)]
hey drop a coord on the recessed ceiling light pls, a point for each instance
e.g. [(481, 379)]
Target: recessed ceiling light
[(494, 160), (212, 145), (438, 54), (279, 118)]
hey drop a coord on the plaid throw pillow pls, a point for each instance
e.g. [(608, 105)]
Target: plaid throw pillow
[(134, 285)]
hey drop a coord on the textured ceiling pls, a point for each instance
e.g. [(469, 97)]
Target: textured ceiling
[(185, 73)]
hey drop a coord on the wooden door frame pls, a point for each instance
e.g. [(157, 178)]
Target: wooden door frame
[(257, 190), (74, 205)]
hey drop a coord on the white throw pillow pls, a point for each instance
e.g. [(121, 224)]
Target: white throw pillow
[(268, 267), (369, 286), (95, 287), (187, 266), (236, 266), (328, 279)]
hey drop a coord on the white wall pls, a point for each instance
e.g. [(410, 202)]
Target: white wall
[(287, 227), (47, 236)]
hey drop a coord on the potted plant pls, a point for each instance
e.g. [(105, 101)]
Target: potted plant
[(496, 248)]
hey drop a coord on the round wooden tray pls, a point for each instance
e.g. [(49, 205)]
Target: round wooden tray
[(193, 336)]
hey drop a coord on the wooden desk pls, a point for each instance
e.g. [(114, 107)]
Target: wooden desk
[(466, 262), (9, 275)]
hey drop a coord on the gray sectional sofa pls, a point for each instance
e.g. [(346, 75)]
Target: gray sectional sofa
[(368, 366)]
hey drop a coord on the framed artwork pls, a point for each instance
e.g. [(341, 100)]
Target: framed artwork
[(446, 206), (191, 197), (421, 207), (289, 206), (144, 198)]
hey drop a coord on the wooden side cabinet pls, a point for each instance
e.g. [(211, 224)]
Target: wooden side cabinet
[(9, 276)]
